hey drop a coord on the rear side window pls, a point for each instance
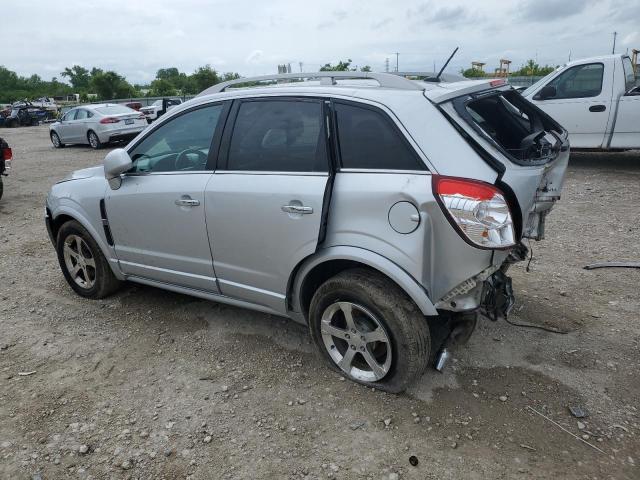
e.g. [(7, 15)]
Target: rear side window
[(629, 74), (581, 81), (368, 139), (279, 136)]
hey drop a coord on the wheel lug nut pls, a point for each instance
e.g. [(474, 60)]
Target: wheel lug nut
[(362, 349), (347, 335), (353, 330), (353, 347)]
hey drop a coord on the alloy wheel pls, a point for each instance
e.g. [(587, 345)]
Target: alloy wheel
[(55, 139), (93, 140), (79, 261), (356, 341)]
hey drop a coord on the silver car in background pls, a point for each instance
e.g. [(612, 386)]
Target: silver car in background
[(97, 125)]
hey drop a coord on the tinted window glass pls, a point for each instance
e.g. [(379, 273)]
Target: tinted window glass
[(114, 110), (181, 144), (69, 115), (368, 139), (581, 81), (81, 115), (629, 75), (279, 136)]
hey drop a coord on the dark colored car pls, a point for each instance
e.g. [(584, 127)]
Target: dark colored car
[(5, 162), (25, 115)]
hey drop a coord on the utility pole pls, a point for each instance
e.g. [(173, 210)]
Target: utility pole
[(386, 64), (300, 63), (397, 55), (569, 55), (615, 34)]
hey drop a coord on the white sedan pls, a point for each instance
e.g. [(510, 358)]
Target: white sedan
[(97, 125)]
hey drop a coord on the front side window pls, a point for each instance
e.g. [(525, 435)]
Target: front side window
[(69, 115), (279, 136), (81, 115), (581, 81), (181, 144), (369, 140)]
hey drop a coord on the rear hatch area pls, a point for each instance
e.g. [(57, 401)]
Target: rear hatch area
[(527, 148)]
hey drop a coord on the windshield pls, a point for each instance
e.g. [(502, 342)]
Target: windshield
[(539, 82), (114, 110)]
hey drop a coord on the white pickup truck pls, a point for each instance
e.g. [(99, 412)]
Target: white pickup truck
[(596, 99)]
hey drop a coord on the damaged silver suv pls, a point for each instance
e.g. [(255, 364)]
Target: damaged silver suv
[(380, 211)]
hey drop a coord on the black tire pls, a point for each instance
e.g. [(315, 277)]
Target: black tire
[(94, 140), (404, 323), (55, 140), (105, 282), (1, 187)]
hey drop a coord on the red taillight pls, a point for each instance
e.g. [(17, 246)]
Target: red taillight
[(464, 187), (478, 210), (109, 120), (7, 154)]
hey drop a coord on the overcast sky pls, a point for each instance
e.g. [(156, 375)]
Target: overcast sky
[(136, 37)]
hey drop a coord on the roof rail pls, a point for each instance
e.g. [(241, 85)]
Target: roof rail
[(387, 80)]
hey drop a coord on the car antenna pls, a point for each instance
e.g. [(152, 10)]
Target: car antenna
[(437, 77)]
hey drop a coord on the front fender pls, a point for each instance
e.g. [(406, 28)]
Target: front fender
[(68, 207), (366, 257)]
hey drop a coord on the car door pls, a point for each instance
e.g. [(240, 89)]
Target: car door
[(582, 102), (78, 126), (157, 215), (264, 204), (626, 133), (65, 129)]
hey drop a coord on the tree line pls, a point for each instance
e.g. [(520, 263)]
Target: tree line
[(107, 85), (530, 68)]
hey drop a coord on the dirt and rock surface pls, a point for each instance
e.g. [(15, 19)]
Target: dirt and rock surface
[(149, 384)]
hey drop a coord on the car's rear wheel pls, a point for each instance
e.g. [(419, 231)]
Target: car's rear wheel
[(55, 139), (1, 187), (84, 266), (94, 141), (369, 330)]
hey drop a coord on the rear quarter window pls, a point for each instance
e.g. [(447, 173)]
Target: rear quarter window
[(368, 139)]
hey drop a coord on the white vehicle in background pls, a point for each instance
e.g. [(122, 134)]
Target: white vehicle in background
[(45, 102), (596, 99), (159, 107)]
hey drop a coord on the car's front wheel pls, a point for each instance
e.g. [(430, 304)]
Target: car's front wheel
[(84, 266), (369, 330), (94, 141), (55, 139)]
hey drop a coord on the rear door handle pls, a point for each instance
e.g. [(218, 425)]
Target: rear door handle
[(187, 201), (299, 209), (597, 108)]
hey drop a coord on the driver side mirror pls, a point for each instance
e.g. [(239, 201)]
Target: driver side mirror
[(116, 163), (548, 91)]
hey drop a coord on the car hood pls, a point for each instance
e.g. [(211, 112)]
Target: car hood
[(97, 171)]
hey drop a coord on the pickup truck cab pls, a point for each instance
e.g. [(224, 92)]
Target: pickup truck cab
[(596, 99)]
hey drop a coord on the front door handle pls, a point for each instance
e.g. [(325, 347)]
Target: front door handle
[(187, 201), (299, 209), (597, 108)]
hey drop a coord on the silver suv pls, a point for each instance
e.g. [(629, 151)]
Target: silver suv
[(380, 211)]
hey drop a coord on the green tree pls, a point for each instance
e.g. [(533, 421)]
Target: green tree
[(203, 78), (339, 67), (472, 73), (110, 85), (78, 76), (531, 68), (161, 87), (366, 68)]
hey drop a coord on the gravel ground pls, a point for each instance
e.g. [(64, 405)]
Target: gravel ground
[(150, 384)]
